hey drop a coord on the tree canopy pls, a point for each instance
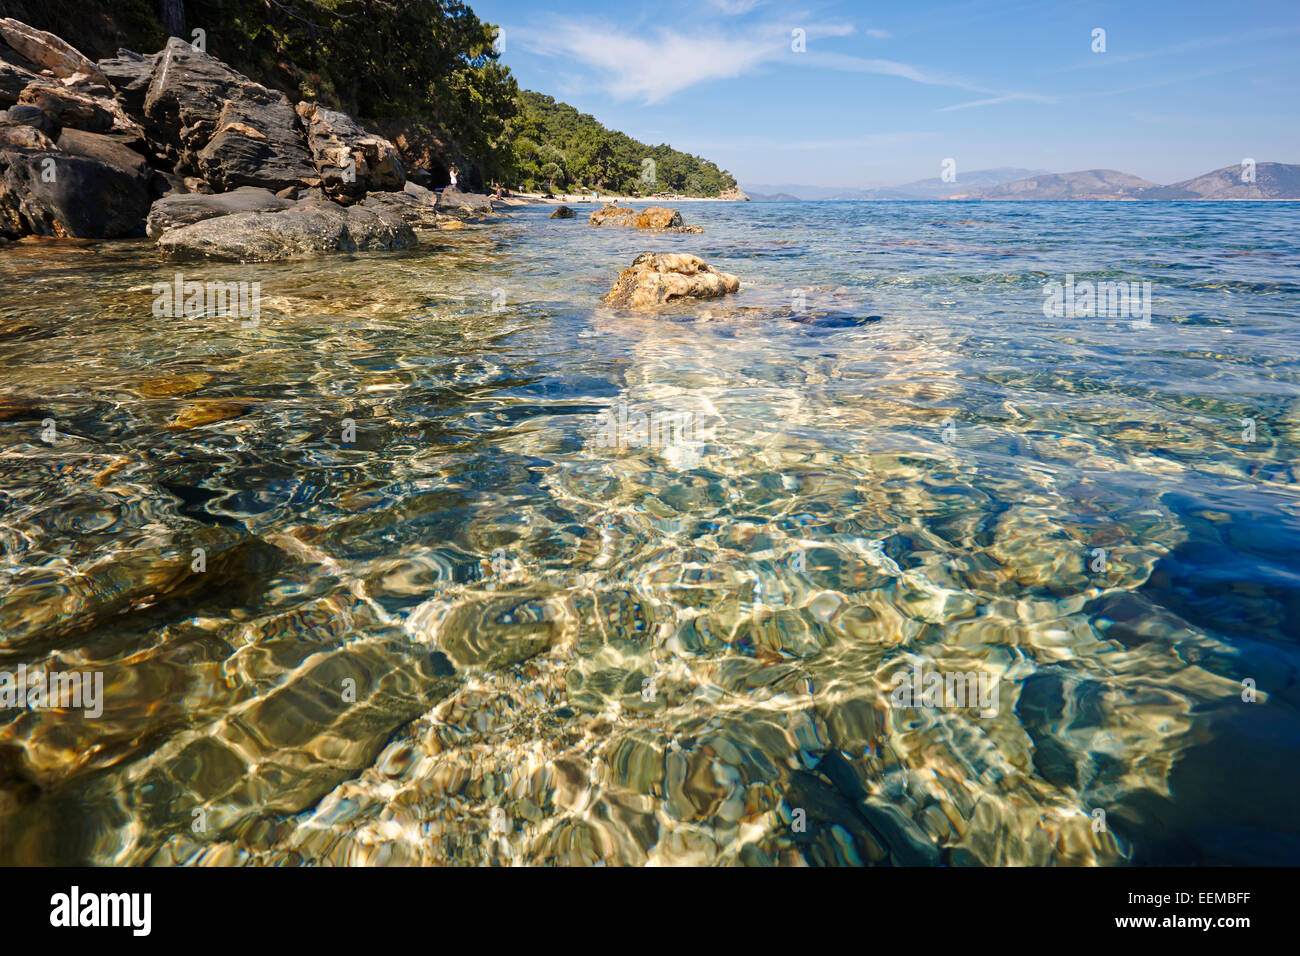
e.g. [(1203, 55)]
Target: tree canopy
[(559, 148)]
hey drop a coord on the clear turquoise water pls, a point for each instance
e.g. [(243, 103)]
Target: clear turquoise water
[(908, 466)]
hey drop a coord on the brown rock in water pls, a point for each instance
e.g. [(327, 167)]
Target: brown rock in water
[(563, 212), (169, 385), (207, 412), (657, 277), (654, 218)]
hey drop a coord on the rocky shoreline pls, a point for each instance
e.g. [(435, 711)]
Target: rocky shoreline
[(180, 148)]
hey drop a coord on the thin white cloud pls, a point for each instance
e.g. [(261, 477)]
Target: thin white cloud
[(995, 100), (1187, 46), (879, 34), (735, 8), (653, 65), (917, 74)]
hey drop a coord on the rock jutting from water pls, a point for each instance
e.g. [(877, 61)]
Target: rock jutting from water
[(651, 218), (656, 278), (563, 212)]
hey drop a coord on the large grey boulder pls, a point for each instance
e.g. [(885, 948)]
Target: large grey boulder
[(182, 209), (350, 160), (309, 229), (223, 126), (417, 205)]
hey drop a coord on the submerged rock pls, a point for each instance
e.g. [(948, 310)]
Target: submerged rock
[(653, 218), (656, 278), (563, 212), (207, 412), (308, 229)]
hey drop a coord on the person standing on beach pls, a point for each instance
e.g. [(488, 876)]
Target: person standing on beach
[(452, 174)]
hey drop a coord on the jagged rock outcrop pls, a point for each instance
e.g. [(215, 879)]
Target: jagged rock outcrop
[(349, 160), (310, 228), (86, 148), (652, 218), (220, 124), (563, 212), (656, 278)]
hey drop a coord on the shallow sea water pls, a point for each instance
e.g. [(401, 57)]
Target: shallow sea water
[(478, 632)]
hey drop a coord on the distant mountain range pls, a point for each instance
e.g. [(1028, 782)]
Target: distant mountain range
[(934, 188), (1271, 181)]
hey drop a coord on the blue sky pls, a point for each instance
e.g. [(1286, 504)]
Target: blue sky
[(883, 93)]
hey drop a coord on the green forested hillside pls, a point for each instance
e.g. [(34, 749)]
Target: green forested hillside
[(560, 148)]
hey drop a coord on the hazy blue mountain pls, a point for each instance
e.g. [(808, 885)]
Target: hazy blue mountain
[(773, 197), (1056, 187), (1272, 181), (933, 188), (1279, 181), (936, 188)]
